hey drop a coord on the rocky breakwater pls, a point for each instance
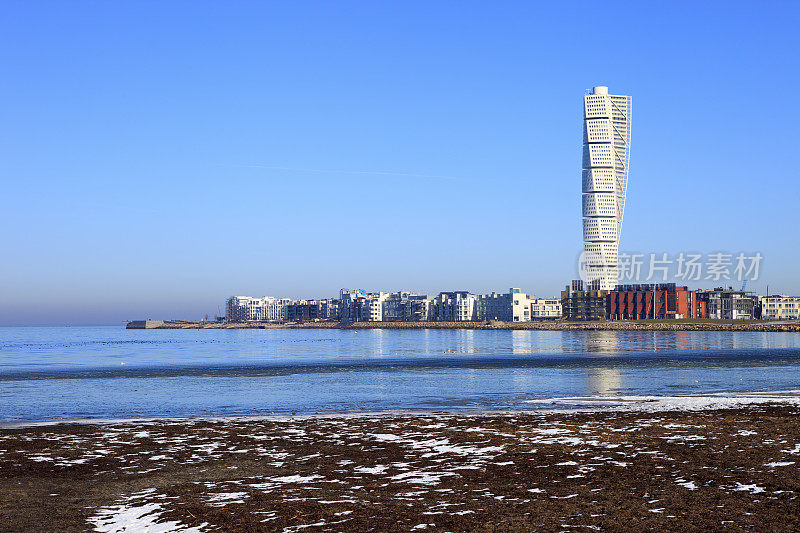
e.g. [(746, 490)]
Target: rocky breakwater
[(551, 325), (562, 325)]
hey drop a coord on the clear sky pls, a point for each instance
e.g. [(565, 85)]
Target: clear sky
[(157, 157)]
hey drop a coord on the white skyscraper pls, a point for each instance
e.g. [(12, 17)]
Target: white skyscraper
[(606, 152)]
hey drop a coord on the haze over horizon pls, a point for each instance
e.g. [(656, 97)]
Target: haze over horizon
[(159, 157)]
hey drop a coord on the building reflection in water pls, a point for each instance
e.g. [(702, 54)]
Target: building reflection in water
[(521, 342), (377, 340), (465, 341), (601, 341), (604, 380)]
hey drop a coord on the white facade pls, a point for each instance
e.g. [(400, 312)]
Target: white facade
[(516, 306), (244, 308), (728, 304), (606, 153), (372, 307), (780, 307), (545, 308), (460, 306)]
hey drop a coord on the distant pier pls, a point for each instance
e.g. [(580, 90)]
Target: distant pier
[(145, 324)]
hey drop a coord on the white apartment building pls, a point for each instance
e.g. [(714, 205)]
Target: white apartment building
[(780, 307), (372, 307), (244, 308), (513, 306), (458, 306), (728, 304), (516, 306), (606, 154), (545, 308)]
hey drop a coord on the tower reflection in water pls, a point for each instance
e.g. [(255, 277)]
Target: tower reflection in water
[(602, 380)]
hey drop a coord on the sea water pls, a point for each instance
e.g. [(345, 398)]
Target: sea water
[(110, 372)]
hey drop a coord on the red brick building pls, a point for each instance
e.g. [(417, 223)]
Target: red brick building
[(662, 300)]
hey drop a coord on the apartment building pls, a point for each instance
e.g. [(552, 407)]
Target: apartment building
[(516, 306), (545, 308), (780, 307), (350, 301), (247, 308), (457, 306), (304, 311), (404, 306), (654, 301), (729, 304), (371, 306), (580, 304)]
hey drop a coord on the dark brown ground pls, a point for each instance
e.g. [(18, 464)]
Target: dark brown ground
[(732, 470)]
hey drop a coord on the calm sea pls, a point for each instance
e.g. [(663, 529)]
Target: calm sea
[(110, 372)]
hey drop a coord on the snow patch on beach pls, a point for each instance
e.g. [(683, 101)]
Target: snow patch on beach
[(691, 485), (296, 479), (794, 451), (379, 469), (437, 446), (143, 517), (779, 463), (752, 489), (224, 498), (422, 477), (700, 402)]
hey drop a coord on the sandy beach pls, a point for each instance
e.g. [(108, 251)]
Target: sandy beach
[(691, 464)]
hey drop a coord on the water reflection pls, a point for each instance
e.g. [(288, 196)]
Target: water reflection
[(466, 341), (603, 381), (69, 372), (521, 342)]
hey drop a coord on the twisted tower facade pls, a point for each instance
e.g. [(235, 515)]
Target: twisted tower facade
[(606, 154)]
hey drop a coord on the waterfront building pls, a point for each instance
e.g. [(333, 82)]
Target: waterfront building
[(350, 304), (514, 306), (457, 306), (304, 310), (654, 301), (606, 153), (580, 304), (404, 306), (780, 307), (329, 308), (371, 306), (729, 304), (547, 308), (247, 308)]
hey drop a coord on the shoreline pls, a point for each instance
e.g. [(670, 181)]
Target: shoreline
[(553, 405), (554, 325), (678, 470)]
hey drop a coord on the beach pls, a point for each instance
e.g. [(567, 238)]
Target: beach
[(693, 463)]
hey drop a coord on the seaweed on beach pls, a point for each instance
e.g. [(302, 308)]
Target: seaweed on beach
[(608, 470)]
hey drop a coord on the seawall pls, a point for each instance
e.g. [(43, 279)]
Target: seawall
[(553, 325)]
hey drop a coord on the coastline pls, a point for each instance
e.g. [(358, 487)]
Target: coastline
[(548, 406), (554, 325), (673, 469)]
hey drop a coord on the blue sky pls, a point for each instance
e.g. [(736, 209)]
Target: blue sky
[(156, 157)]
